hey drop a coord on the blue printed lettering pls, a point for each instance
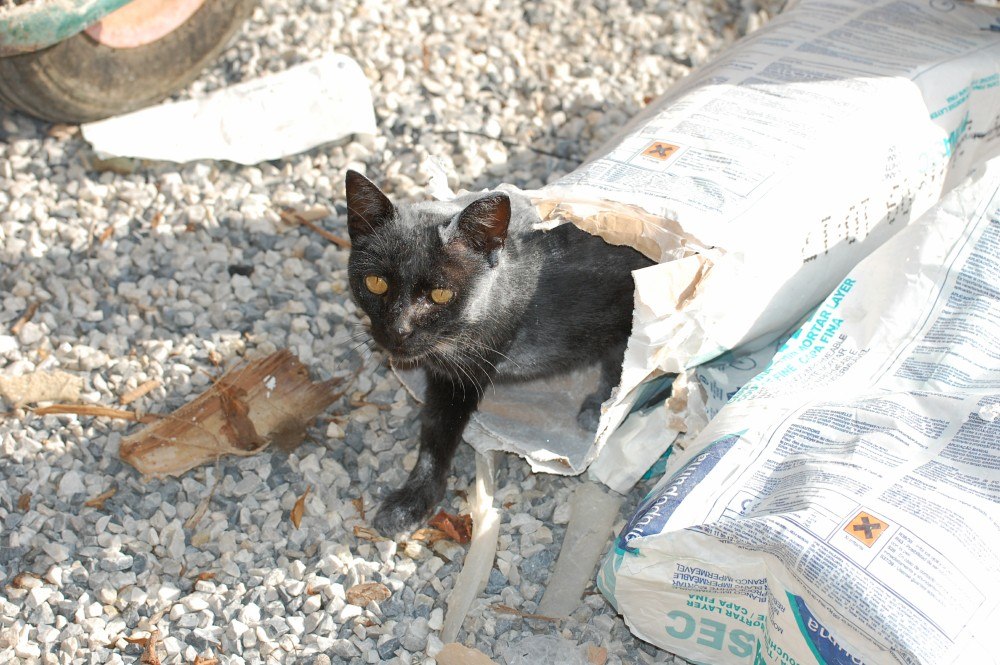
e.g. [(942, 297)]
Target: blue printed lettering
[(688, 629), (712, 634), (742, 643)]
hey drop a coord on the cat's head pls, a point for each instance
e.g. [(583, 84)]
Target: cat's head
[(421, 271)]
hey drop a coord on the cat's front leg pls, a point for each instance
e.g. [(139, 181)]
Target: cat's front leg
[(447, 408)]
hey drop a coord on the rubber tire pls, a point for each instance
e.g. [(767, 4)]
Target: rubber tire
[(79, 79)]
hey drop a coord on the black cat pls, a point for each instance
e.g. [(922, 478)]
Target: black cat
[(467, 290)]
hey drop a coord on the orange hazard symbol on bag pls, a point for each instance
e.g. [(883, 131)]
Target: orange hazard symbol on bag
[(660, 150), (866, 528)]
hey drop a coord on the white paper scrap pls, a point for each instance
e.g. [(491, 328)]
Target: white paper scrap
[(304, 106)]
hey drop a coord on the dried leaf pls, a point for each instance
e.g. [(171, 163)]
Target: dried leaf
[(367, 533), (308, 219), (199, 512), (596, 655), (93, 410), (24, 502), (140, 391), (413, 549), (98, 501), (149, 647), (205, 660), (454, 653), (41, 387), (505, 609), (299, 508), (456, 527), (149, 655), (25, 317), (201, 577), (119, 165), (359, 505), (362, 594), (358, 403), (430, 535), (61, 132), (314, 214), (289, 435), (20, 580), (238, 428), (250, 407)]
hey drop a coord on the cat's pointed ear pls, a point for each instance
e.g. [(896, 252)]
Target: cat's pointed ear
[(367, 207), (483, 224)]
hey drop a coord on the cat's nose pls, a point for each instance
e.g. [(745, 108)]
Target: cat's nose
[(403, 331)]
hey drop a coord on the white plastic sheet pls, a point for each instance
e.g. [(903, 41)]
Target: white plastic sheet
[(277, 115)]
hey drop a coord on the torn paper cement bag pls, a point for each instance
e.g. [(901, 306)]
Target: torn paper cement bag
[(842, 508), (635, 449), (761, 180), (277, 115)]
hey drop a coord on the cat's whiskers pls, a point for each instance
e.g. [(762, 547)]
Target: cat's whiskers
[(480, 339), (475, 384), (363, 334), (475, 344), (483, 370), (463, 362), (363, 342), (447, 365), (455, 351), (367, 347)]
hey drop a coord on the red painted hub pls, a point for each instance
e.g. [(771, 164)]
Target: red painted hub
[(142, 22)]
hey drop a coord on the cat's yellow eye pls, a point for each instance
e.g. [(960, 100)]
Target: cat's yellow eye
[(441, 296), (376, 284)]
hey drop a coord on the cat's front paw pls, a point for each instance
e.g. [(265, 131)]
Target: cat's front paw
[(407, 507)]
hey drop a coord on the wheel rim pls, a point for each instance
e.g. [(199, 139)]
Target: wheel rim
[(142, 22)]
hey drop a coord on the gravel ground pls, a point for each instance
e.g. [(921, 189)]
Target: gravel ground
[(139, 276)]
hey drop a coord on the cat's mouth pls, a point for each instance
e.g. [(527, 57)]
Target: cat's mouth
[(406, 361), (400, 354), (406, 357)]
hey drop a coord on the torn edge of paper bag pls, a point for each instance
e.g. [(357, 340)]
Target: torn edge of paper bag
[(659, 238)]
